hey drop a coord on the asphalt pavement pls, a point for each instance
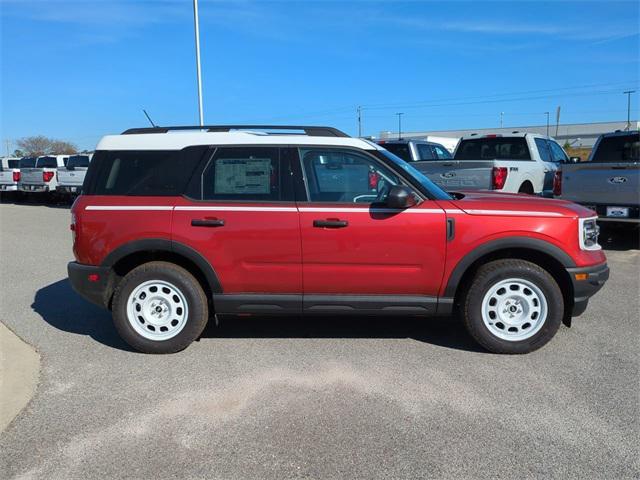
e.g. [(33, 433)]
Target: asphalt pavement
[(321, 398)]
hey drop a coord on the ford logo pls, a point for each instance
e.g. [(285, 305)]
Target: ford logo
[(448, 175), (617, 179)]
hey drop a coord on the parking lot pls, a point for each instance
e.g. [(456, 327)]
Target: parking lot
[(313, 398)]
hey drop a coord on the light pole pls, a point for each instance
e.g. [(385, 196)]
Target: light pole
[(196, 23), (547, 114), (399, 114), (359, 121), (628, 94), (501, 117)]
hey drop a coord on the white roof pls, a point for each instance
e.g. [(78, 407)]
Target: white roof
[(504, 135), (178, 140)]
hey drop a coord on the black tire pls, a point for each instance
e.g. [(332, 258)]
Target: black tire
[(527, 188), (490, 274), (198, 313)]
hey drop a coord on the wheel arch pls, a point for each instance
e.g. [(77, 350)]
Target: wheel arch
[(540, 252), (133, 254), (524, 183)]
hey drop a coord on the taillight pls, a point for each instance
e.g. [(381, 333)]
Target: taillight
[(373, 180), (47, 176), (557, 183), (499, 177), (16, 176), (72, 227)]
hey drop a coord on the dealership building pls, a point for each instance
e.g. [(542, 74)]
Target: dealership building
[(576, 134)]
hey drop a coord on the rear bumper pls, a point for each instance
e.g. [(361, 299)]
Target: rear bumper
[(83, 280), (584, 289), (72, 189), (601, 210), (9, 187), (34, 187)]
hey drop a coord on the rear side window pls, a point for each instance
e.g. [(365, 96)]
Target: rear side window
[(47, 162), (78, 161), (27, 162), (623, 148), (399, 150), (142, 173), (247, 174), (495, 148), (543, 149)]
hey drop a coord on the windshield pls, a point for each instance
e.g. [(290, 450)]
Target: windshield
[(434, 191), (493, 148), (27, 162), (76, 161), (47, 162), (399, 149), (620, 149)]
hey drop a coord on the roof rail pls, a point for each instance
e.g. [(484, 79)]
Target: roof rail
[(308, 130)]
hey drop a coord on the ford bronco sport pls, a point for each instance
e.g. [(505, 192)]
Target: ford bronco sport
[(179, 224)]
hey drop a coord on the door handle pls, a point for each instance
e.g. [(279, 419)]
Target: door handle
[(448, 164), (207, 222), (330, 223)]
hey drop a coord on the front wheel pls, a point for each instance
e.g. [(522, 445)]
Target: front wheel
[(512, 306), (159, 307)]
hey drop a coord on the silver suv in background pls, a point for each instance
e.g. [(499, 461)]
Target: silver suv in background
[(608, 181), (71, 177), (39, 175)]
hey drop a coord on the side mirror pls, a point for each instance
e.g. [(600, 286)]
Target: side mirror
[(575, 160), (400, 197)]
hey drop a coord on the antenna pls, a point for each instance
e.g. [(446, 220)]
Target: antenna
[(149, 118)]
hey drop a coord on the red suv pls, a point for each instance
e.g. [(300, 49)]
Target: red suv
[(175, 225)]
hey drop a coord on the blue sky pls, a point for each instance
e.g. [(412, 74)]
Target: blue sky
[(80, 69)]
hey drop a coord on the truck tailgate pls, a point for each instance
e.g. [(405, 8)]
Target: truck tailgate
[(6, 177), (73, 178), (31, 175), (601, 183), (458, 174)]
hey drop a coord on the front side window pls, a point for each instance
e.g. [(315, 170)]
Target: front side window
[(543, 149), (425, 152), (557, 153), (245, 174), (493, 148), (441, 152), (342, 176)]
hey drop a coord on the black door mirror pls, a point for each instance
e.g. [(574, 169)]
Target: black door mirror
[(575, 160), (400, 197)]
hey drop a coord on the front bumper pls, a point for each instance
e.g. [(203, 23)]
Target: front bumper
[(586, 283), (91, 282)]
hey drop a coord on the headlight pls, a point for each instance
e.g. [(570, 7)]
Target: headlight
[(588, 234)]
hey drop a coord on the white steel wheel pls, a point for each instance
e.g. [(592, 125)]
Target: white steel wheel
[(157, 310), (514, 309)]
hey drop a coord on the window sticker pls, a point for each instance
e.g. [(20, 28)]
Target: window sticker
[(242, 176)]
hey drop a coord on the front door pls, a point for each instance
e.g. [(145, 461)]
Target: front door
[(240, 214), (358, 254)]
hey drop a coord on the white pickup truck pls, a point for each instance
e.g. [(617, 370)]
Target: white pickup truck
[(9, 174), (40, 175), (516, 163), (71, 177)]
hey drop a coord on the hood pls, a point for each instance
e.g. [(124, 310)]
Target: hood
[(518, 204)]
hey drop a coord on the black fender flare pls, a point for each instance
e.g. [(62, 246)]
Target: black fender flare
[(165, 245), (528, 243)]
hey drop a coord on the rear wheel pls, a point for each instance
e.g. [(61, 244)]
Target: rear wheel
[(512, 306), (159, 307)]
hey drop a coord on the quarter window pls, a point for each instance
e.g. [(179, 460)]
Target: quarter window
[(344, 176)]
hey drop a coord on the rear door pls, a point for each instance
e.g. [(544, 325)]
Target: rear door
[(240, 214), (354, 247)]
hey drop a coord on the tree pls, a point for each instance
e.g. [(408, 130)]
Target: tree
[(18, 153), (41, 145)]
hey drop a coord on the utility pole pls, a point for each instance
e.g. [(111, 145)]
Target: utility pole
[(547, 114), (359, 109), (196, 23), (628, 94), (557, 120), (7, 143), (399, 114), (501, 117)]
